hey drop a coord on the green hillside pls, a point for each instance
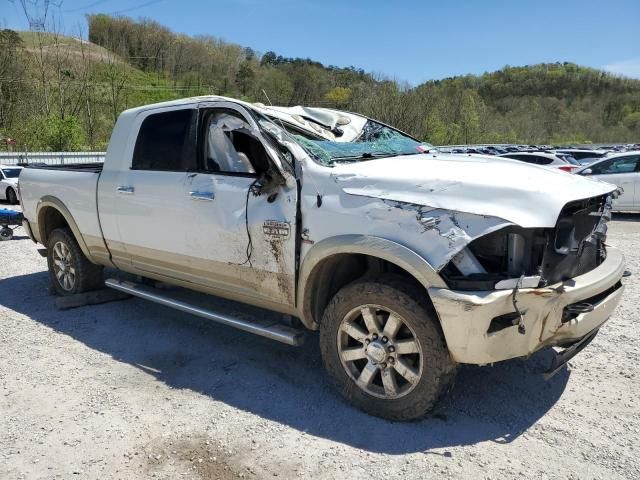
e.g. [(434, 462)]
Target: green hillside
[(58, 92)]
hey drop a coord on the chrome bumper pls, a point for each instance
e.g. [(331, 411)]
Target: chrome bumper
[(466, 316)]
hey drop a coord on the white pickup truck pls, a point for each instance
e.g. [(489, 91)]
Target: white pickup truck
[(408, 262)]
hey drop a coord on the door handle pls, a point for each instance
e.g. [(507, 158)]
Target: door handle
[(202, 196), (125, 190)]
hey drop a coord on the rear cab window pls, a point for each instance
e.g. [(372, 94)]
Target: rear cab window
[(166, 142)]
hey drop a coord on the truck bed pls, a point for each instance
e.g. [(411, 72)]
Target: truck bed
[(71, 187)]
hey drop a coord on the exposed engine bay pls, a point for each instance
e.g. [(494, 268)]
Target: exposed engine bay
[(535, 257)]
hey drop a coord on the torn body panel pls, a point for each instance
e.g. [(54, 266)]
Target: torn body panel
[(437, 235)]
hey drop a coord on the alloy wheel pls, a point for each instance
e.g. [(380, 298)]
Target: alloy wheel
[(63, 266), (380, 351)]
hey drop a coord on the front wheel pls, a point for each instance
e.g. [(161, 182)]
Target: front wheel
[(384, 349), (69, 270)]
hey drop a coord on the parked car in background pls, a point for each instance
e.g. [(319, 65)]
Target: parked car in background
[(9, 183), (560, 161), (583, 156), (623, 170)]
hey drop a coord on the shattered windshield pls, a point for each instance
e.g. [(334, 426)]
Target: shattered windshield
[(375, 141)]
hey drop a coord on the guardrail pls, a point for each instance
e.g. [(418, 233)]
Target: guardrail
[(50, 158)]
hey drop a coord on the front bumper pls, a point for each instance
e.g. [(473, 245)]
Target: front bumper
[(466, 316)]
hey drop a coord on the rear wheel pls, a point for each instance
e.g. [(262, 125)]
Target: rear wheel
[(69, 270), (384, 349), (12, 197), (5, 233)]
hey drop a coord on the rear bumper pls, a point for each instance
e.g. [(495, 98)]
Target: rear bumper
[(466, 316)]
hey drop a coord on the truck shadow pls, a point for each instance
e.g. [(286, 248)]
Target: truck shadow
[(625, 217), (286, 384)]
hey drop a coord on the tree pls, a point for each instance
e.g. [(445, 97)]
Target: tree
[(435, 131), (13, 77), (64, 134), (116, 77), (269, 59), (245, 77), (339, 96), (52, 133), (470, 118), (632, 121)]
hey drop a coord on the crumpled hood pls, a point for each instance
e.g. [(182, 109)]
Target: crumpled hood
[(527, 195)]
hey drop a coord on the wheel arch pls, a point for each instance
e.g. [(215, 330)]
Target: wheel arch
[(334, 262), (51, 213)]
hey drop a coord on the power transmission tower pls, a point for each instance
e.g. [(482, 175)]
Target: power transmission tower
[(36, 12)]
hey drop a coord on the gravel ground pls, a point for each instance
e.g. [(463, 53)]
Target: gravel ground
[(134, 390)]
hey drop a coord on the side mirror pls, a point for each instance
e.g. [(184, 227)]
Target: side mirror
[(587, 171)]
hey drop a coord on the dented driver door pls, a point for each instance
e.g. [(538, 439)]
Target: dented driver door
[(242, 239)]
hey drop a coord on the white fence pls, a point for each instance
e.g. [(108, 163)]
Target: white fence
[(50, 158)]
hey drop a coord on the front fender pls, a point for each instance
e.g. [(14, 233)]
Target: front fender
[(384, 249)]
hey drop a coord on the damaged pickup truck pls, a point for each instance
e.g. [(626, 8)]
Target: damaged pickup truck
[(408, 262)]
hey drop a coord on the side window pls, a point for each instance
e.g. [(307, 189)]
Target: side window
[(616, 165), (229, 145), (166, 142)]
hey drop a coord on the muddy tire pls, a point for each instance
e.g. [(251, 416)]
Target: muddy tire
[(70, 271), (12, 197), (384, 349)]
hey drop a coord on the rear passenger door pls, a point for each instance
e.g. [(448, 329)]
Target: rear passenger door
[(145, 199)]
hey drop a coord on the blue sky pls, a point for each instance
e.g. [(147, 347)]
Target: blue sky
[(408, 40)]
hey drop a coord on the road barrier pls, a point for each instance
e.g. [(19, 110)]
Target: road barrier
[(50, 158)]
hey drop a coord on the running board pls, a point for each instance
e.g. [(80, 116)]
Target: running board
[(272, 330)]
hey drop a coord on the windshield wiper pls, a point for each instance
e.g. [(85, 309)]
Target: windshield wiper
[(371, 155), (364, 156)]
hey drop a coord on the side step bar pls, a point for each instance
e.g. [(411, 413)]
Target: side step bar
[(272, 330)]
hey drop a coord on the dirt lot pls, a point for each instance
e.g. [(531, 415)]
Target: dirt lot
[(134, 390)]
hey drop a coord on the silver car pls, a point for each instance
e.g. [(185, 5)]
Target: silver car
[(620, 169)]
